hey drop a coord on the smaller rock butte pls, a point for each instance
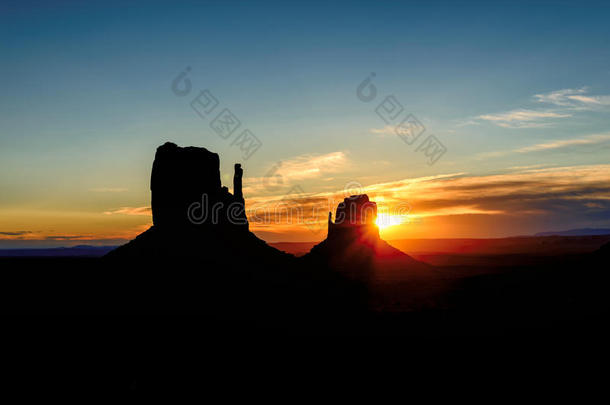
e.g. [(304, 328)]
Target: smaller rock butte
[(354, 219)]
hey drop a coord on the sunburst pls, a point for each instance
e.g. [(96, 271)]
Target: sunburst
[(386, 220)]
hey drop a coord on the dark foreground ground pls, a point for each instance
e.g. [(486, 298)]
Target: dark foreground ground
[(499, 294), (114, 318)]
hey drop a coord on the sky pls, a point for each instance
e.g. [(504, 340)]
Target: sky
[(459, 120)]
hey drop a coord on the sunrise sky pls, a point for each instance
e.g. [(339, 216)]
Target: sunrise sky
[(517, 94)]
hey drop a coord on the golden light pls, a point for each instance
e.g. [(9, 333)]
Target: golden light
[(386, 220)]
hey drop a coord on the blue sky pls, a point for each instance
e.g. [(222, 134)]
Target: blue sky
[(86, 95)]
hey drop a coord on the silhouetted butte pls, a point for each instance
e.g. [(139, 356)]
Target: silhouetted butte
[(354, 248)]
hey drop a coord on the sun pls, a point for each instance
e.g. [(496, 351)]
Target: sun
[(386, 220)]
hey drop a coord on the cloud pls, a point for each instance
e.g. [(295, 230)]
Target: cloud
[(576, 99), (537, 166), (20, 235), (387, 130), (299, 208), (551, 145), (467, 122), (303, 167), (68, 237), (108, 190), (15, 233), (576, 193), (311, 166), (516, 193), (131, 211), (565, 102), (523, 118), (587, 140)]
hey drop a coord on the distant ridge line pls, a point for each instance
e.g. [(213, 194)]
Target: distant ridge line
[(576, 232)]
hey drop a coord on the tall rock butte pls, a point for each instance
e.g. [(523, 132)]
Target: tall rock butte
[(185, 186), (194, 215)]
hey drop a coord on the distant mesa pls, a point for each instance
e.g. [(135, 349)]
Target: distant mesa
[(73, 251), (577, 232)]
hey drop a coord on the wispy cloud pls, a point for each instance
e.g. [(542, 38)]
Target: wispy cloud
[(587, 140), (108, 190), (68, 237), (387, 130), (131, 211), (528, 167), (15, 233), (39, 235), (312, 166), (468, 122), (303, 167), (576, 99), (555, 144), (562, 103), (566, 192), (523, 118)]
